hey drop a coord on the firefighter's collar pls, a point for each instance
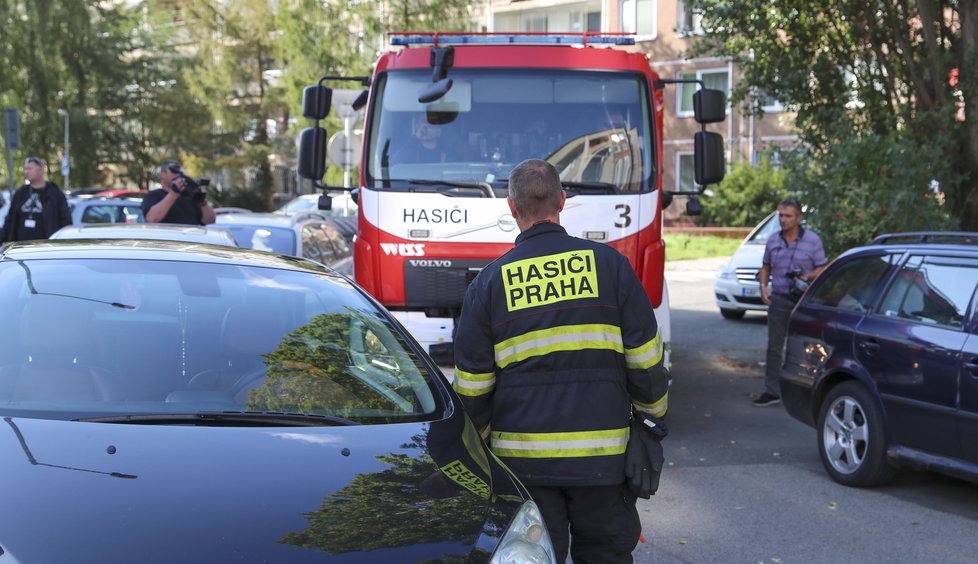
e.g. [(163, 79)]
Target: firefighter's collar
[(540, 229)]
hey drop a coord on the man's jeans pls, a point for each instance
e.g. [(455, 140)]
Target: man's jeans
[(778, 314)]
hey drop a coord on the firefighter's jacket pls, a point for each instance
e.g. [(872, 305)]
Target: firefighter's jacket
[(556, 343)]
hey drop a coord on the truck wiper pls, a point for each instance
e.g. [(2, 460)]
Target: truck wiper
[(577, 188), (244, 418), (448, 185)]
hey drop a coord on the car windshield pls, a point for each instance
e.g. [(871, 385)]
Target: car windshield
[(592, 126), (129, 338), (768, 227), (262, 238)]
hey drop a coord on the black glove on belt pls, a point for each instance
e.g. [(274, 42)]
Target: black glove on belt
[(643, 455)]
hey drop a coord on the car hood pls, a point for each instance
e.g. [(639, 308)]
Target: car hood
[(748, 255), (101, 492)]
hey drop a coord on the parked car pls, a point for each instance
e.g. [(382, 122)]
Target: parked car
[(152, 231), (221, 211), (736, 287), (882, 358), (238, 406), (307, 235), (121, 193), (106, 210), (343, 205)]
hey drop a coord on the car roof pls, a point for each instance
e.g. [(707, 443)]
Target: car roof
[(155, 231), (146, 249), (269, 219)]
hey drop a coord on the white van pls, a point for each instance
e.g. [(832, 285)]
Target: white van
[(736, 287)]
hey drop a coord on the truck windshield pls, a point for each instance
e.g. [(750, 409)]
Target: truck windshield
[(593, 126)]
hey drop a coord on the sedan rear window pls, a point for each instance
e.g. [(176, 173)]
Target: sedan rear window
[(853, 284), (932, 290), (111, 337)]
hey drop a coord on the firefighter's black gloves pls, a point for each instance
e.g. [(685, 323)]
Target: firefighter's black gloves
[(643, 455)]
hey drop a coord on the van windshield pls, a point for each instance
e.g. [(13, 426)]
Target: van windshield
[(594, 127)]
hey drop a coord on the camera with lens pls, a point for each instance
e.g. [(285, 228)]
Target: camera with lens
[(194, 189), (798, 286)]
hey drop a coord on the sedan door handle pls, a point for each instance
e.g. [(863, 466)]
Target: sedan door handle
[(869, 345), (972, 366)]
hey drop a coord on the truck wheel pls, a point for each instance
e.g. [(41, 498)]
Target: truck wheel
[(732, 313), (852, 439)]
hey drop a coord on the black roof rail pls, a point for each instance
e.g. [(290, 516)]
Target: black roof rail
[(933, 237)]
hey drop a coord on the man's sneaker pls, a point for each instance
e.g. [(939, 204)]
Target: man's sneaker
[(766, 399)]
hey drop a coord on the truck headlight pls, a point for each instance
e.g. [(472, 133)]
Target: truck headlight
[(526, 541)]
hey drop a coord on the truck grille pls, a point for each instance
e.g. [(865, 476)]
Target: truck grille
[(431, 284)]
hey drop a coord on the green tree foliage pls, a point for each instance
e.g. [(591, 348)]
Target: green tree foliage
[(89, 58), (892, 192), (746, 195), (234, 75), (862, 74)]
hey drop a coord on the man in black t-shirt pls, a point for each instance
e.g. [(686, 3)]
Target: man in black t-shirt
[(171, 204), (38, 208)]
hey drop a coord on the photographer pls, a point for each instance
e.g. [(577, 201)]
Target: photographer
[(180, 200), (791, 260)]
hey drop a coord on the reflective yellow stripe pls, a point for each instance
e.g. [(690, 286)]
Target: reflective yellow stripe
[(560, 445), (645, 356), (471, 384), (657, 409), (563, 338)]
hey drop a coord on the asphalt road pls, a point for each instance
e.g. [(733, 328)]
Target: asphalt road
[(745, 484)]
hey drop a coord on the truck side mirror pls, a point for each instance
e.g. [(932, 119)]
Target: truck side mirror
[(316, 100), (312, 153), (708, 157), (709, 106)]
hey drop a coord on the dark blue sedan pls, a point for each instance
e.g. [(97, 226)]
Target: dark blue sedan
[(164, 402), (882, 359)]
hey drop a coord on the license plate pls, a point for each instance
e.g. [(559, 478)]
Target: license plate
[(750, 292)]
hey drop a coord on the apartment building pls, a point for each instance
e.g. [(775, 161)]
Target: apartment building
[(665, 30)]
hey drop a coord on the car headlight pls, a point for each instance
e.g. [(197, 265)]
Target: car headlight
[(526, 541), (725, 272)]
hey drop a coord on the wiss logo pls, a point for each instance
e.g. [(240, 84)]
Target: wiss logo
[(403, 249)]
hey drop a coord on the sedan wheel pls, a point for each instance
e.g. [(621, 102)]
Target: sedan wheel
[(852, 438)]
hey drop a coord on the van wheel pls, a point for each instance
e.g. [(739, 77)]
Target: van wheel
[(852, 439), (732, 313)]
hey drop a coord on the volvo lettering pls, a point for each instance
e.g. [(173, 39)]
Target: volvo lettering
[(448, 116)]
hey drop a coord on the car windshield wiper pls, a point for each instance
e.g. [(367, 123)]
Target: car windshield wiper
[(447, 185), (576, 188), (245, 418)]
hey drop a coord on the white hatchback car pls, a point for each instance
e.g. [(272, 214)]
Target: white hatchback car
[(736, 287)]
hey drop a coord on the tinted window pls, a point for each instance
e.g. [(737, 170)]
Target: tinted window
[(852, 285), (261, 238), (108, 213), (104, 337), (932, 290)]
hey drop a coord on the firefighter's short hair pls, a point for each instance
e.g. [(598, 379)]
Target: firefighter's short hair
[(534, 186)]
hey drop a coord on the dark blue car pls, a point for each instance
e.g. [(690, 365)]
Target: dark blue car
[(882, 359), (166, 402)]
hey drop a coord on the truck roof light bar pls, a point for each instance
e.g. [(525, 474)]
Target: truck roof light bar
[(405, 38)]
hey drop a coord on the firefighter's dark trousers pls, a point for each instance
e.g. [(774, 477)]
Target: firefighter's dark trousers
[(599, 523)]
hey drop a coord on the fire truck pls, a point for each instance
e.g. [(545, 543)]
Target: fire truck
[(448, 116)]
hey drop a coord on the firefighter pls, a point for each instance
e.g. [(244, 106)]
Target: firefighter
[(556, 344)]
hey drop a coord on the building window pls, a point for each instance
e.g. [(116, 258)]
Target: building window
[(689, 21), (716, 79), (577, 17), (685, 172), (638, 17), (767, 102)]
